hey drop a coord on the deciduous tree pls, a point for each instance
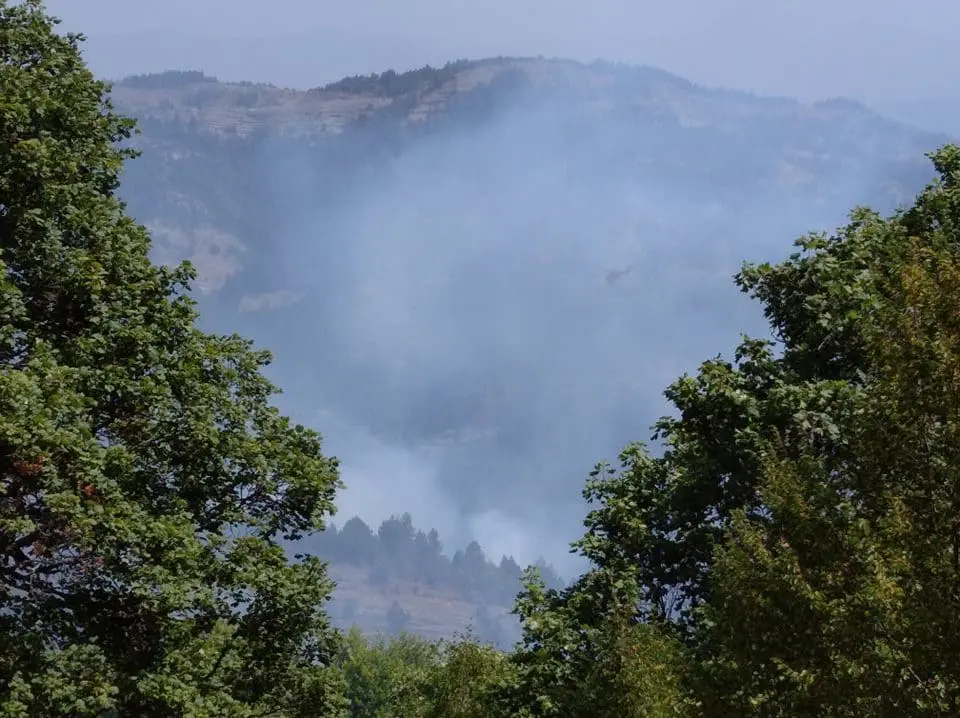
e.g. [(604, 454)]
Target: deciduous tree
[(799, 533), (146, 478)]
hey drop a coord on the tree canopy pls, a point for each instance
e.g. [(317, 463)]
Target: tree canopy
[(798, 537), (399, 550), (147, 479)]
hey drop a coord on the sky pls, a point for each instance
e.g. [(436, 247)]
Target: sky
[(880, 51)]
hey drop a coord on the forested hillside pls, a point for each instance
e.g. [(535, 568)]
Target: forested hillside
[(792, 550), (398, 579)]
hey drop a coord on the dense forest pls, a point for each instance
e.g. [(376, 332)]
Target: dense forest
[(794, 550)]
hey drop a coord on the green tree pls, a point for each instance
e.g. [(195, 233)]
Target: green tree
[(388, 677), (841, 600), (799, 533), (405, 676), (669, 513), (584, 655), (467, 682), (147, 480)]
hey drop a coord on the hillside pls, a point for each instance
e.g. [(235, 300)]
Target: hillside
[(398, 578), (400, 605), (476, 278), (719, 144), (474, 300)]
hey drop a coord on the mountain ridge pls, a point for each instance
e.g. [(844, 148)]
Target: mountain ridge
[(664, 127), (241, 108)]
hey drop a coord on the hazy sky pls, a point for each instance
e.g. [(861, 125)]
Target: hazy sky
[(881, 50)]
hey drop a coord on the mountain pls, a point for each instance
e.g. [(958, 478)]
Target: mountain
[(722, 144), (477, 278)]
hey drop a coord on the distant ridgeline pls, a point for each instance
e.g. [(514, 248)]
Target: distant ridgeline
[(178, 79), (397, 551), (167, 80), (393, 84)]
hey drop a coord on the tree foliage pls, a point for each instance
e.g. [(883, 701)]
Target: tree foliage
[(581, 656), (387, 677), (392, 84), (849, 584), (407, 677), (147, 479), (799, 533)]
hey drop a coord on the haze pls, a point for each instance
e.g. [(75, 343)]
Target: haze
[(475, 343)]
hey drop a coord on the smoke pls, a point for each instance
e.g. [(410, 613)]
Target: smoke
[(474, 318)]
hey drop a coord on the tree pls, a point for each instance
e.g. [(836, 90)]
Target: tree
[(395, 545), (397, 619), (357, 543), (797, 541), (428, 560), (849, 586), (669, 513), (147, 479), (467, 680), (580, 659), (387, 678), (396, 534)]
